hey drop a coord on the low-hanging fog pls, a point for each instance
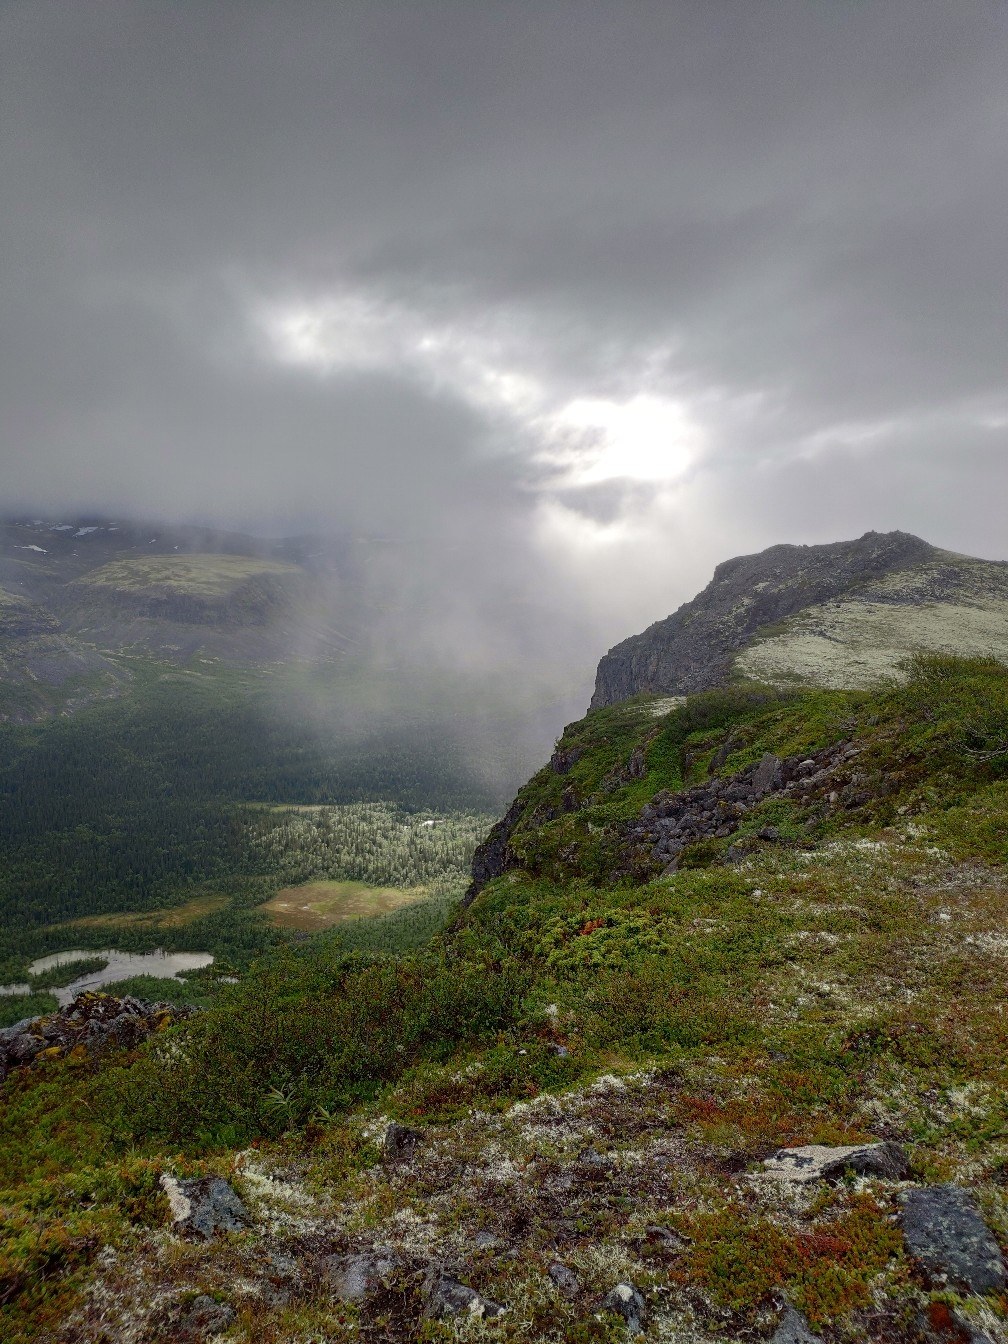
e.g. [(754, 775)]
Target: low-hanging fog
[(545, 308)]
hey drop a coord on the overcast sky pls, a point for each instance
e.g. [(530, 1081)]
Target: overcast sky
[(572, 300)]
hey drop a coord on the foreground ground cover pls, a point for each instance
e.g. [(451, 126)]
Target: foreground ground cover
[(595, 1067)]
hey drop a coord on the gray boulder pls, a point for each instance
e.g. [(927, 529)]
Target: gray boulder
[(24, 1047), (768, 774), (816, 1162), (626, 1301), (567, 1282), (946, 1235), (400, 1141), (353, 1277), (446, 1297), (204, 1207), (205, 1318), (793, 1328)]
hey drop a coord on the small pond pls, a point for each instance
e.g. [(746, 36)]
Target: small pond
[(121, 966)]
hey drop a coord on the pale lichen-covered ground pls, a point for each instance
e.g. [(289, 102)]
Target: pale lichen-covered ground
[(953, 605)]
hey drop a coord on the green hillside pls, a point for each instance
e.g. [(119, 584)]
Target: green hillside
[(206, 575), (756, 920)]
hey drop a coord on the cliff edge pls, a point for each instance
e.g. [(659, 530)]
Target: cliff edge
[(838, 615)]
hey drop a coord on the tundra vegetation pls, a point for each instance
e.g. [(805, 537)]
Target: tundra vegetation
[(594, 1058)]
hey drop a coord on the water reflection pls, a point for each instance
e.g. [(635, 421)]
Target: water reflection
[(121, 966)]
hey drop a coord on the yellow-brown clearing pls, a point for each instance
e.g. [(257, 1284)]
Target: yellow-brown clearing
[(153, 919), (317, 905)]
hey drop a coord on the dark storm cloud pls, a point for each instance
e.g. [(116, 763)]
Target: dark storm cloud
[(459, 272)]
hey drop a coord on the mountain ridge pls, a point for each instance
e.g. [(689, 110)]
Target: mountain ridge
[(699, 646)]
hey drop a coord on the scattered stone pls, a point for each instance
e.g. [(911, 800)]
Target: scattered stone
[(597, 1165), (625, 1300), (945, 1233), (816, 1162), (353, 1277), (447, 1297), (400, 1141), (794, 1329), (567, 1282), (768, 774), (204, 1206), (738, 852), (88, 1027), (282, 1274), (562, 761), (205, 1317)]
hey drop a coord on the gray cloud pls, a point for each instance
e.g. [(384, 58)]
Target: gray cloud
[(456, 275)]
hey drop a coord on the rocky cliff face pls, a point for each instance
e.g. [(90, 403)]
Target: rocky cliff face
[(694, 649)]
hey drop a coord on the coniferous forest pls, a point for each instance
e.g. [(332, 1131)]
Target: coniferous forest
[(174, 795)]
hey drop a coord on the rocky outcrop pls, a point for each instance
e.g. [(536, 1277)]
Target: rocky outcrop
[(718, 808), (949, 1239), (204, 1207), (90, 1026), (827, 780), (692, 649), (494, 857)]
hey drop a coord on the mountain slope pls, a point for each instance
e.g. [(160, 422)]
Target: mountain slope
[(571, 1104), (840, 615)]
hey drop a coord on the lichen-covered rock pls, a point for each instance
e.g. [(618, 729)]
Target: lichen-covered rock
[(567, 1282), (816, 1162), (93, 1024), (205, 1318), (445, 1297), (946, 1235), (204, 1207), (625, 1300), (353, 1277), (400, 1141), (793, 1328)]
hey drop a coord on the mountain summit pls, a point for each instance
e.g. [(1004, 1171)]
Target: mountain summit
[(837, 615)]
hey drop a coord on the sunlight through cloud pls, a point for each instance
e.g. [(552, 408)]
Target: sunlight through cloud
[(496, 367)]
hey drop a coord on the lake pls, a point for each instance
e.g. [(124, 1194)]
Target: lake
[(121, 966)]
